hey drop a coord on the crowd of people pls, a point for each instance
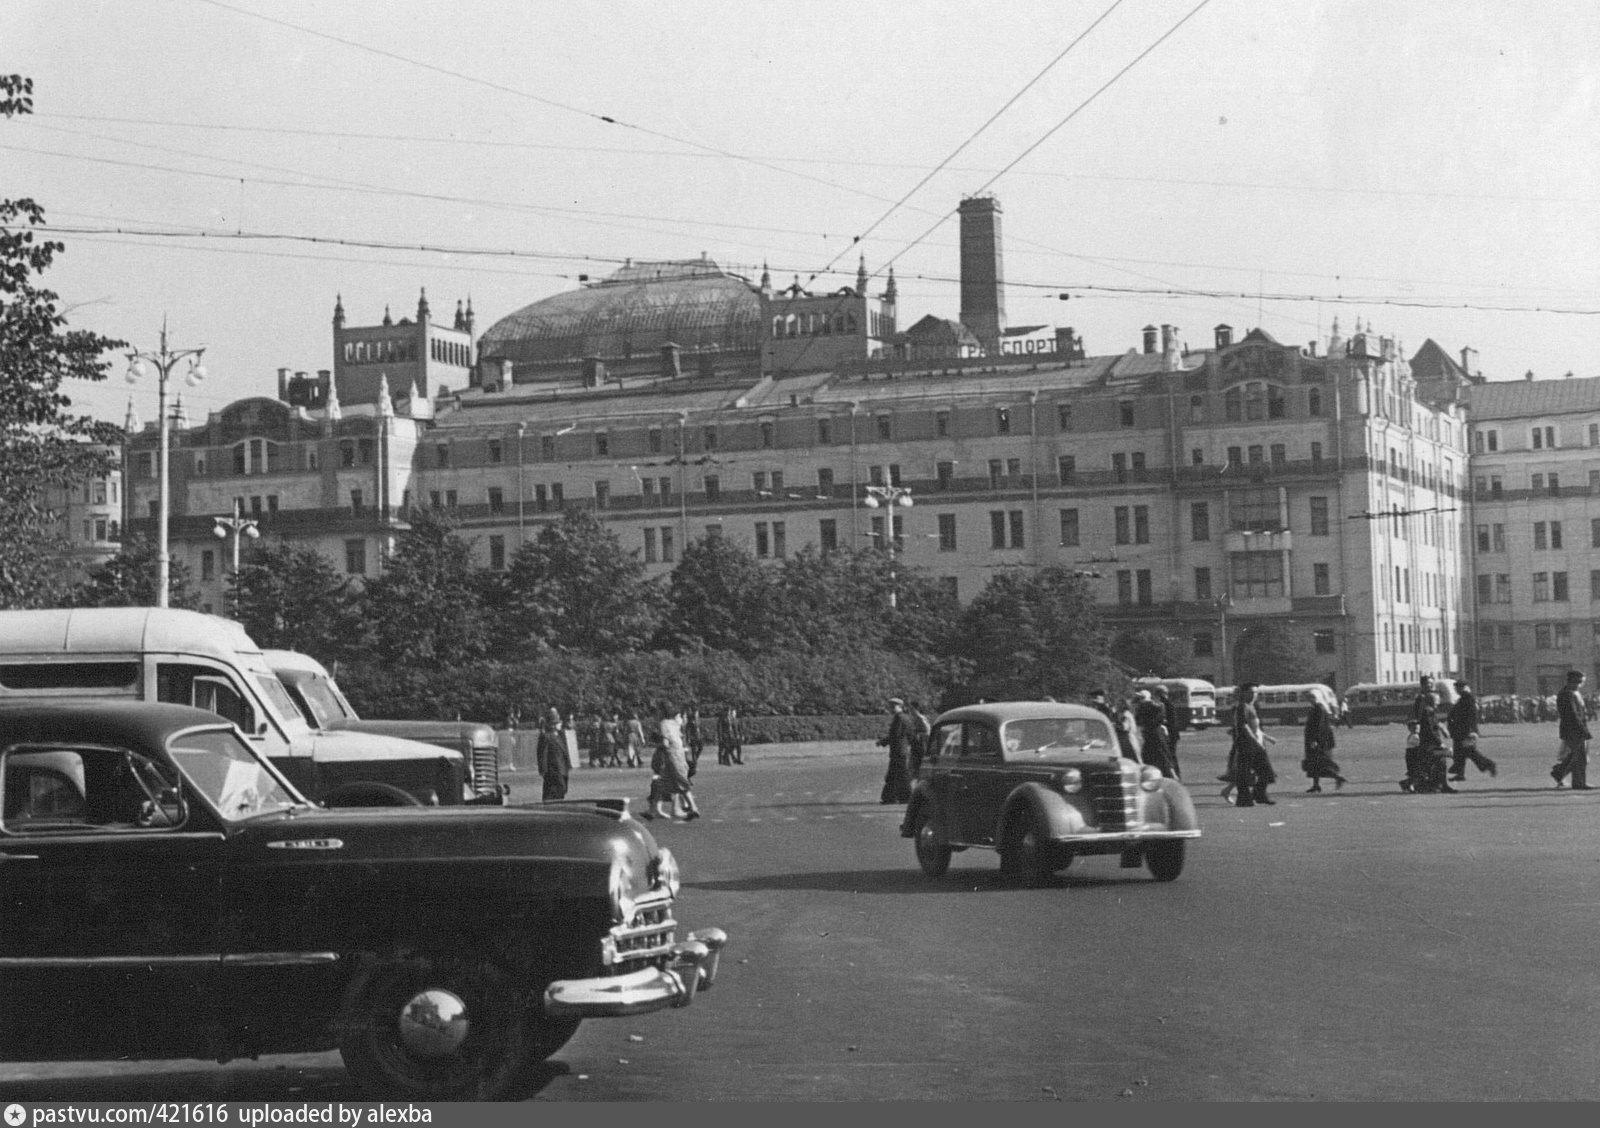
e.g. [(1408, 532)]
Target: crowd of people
[(670, 743), (1438, 748)]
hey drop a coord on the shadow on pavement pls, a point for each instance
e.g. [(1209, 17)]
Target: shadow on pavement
[(968, 879)]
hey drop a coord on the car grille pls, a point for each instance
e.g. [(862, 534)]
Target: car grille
[(643, 940), (1114, 792), (486, 771)]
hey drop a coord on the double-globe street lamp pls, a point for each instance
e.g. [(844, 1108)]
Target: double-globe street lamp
[(164, 360), (889, 497), (238, 525)]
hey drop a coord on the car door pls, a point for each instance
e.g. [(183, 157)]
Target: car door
[(984, 783), (109, 902)]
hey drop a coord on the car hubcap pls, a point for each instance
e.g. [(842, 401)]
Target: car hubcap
[(433, 1023)]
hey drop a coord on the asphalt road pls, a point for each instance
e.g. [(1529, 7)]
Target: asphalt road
[(1354, 945)]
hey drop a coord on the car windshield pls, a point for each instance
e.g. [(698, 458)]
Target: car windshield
[(224, 769), (1048, 739), (321, 701)]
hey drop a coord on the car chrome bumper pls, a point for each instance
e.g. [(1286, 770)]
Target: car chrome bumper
[(1130, 836), (691, 966)]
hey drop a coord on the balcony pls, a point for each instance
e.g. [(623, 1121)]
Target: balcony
[(1246, 540)]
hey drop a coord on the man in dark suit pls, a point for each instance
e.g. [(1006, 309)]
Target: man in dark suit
[(1573, 715), (1462, 723)]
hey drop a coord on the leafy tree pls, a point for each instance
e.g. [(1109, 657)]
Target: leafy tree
[(42, 445), (128, 579), (427, 607), (720, 598), (291, 597), (1273, 654), (1031, 634), (1147, 651), (575, 588), (843, 598)]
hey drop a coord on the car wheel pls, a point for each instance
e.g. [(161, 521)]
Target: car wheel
[(369, 793), (1025, 855), (1165, 859), (442, 1028), (933, 855)]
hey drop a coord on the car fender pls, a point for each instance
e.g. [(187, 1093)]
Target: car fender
[(1171, 805), (924, 804), (1051, 810)]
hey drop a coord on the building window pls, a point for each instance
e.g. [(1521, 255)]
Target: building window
[(763, 547), (1314, 401), (497, 553), (355, 557), (1319, 516), (768, 434), (649, 546), (442, 455), (1541, 587), (1197, 457), (941, 424), (647, 490), (653, 440), (1202, 583), (1555, 534), (1016, 528), (1063, 417), (1256, 511), (435, 499), (1280, 454), (1540, 540), (208, 564), (602, 444), (547, 448), (1002, 421), (541, 499), (1235, 456), (758, 482), (885, 427), (1119, 467), (1200, 521), (780, 540), (943, 473), (355, 501), (1125, 412), (451, 499), (1141, 524), (1233, 405), (602, 495), (1316, 454), (1502, 588), (1145, 589), (1323, 642), (1257, 455), (666, 544), (1558, 588), (497, 501), (947, 532), (708, 438), (1069, 528), (1066, 467), (828, 534), (1197, 409), (558, 497), (997, 528), (1555, 484), (1257, 575), (1321, 580), (1125, 586), (996, 473), (713, 487), (1122, 526), (496, 452), (824, 431)]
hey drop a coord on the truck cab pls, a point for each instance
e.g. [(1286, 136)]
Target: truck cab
[(188, 658)]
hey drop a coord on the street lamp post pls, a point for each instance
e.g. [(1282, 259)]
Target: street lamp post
[(164, 360), (238, 525), (522, 430), (889, 497)]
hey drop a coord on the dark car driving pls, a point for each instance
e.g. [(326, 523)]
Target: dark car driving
[(1043, 783), (165, 893)]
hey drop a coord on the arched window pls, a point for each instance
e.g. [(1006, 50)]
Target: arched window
[(777, 326)]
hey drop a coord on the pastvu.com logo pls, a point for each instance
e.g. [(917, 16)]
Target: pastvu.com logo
[(16, 1116)]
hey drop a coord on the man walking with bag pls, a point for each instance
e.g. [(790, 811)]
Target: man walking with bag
[(1462, 724)]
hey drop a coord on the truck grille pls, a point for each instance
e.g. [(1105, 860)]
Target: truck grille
[(1114, 792), (642, 941), (486, 771)]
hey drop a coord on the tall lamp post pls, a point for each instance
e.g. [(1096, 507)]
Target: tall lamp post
[(164, 360), (238, 525), (522, 430), (889, 497)]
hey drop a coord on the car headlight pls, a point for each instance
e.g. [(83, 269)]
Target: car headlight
[(1149, 777), (619, 888), (1071, 781), (664, 873)]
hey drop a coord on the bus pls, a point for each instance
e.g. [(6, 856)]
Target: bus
[(1285, 704), (1371, 703), (1194, 698)]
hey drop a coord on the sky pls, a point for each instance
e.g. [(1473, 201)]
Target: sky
[(230, 167)]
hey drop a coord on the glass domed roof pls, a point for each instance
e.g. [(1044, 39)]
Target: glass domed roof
[(694, 304)]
